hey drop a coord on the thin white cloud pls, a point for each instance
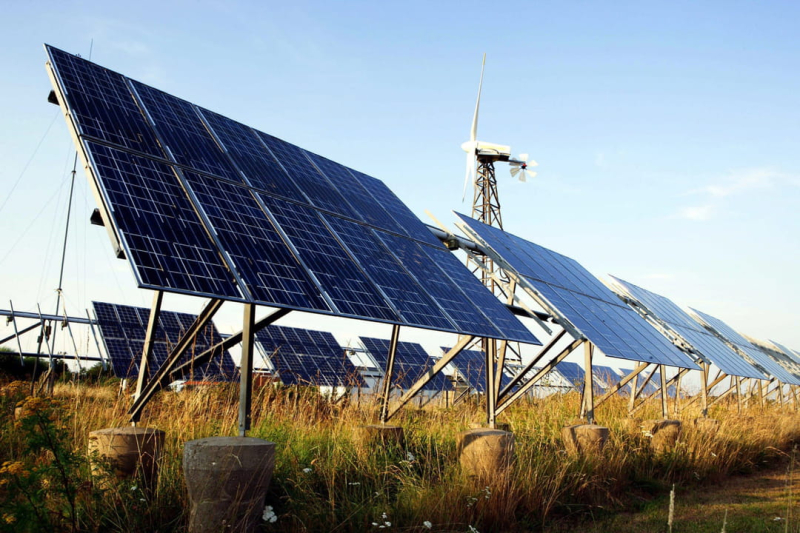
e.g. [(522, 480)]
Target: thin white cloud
[(697, 212)]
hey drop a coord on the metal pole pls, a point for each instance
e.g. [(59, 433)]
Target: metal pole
[(664, 406), (149, 342), (704, 392), (739, 394), (246, 369), (387, 376), (588, 383), (491, 347)]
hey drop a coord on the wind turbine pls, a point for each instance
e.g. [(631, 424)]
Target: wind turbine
[(481, 157)]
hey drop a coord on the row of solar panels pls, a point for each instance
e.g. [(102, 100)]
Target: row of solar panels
[(297, 356), (650, 328)]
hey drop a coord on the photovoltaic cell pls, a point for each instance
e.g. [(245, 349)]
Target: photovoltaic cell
[(252, 157), (102, 105), (184, 134), (349, 288), (163, 236), (308, 357), (702, 342), (271, 272), (771, 366), (405, 294), (573, 373), (592, 308), (124, 328), (410, 363), (609, 376), (471, 364)]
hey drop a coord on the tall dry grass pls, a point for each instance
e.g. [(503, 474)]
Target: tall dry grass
[(325, 480)]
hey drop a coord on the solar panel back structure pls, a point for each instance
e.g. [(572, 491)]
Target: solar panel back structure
[(411, 361), (123, 329), (308, 357), (585, 307), (203, 205), (769, 366), (609, 377)]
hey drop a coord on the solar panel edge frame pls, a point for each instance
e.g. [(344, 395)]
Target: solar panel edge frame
[(525, 284), (77, 138)]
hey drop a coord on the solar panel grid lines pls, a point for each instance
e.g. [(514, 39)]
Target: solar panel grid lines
[(684, 326), (609, 377), (159, 228), (471, 364), (573, 373), (123, 330)]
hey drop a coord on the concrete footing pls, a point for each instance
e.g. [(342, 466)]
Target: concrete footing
[(485, 453), (227, 479), (380, 435), (709, 426), (584, 438), (665, 434), (128, 452)]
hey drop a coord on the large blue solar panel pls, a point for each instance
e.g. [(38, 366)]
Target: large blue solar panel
[(792, 354), (703, 343), (410, 363), (471, 364), (609, 376), (591, 307), (163, 236), (186, 232), (307, 357), (123, 329), (269, 269), (771, 366)]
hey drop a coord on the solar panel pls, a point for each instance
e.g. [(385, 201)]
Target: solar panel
[(595, 312), (767, 363), (573, 373), (702, 342), (410, 363), (308, 357), (124, 328), (609, 376), (207, 206), (471, 364), (792, 354)]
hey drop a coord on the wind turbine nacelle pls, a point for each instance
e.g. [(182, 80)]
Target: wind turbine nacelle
[(487, 149)]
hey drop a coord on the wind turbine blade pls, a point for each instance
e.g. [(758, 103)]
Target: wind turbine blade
[(514, 172), (533, 163), (531, 174), (522, 157), (470, 173), (473, 134)]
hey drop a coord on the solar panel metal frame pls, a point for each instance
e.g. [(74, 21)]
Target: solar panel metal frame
[(409, 363), (177, 126), (544, 293)]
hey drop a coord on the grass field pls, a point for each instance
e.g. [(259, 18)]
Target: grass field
[(324, 480)]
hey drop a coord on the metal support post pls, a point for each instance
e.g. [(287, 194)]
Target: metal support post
[(389, 374), (96, 342), (149, 342), (246, 369), (491, 346), (664, 406), (704, 389), (588, 384), (677, 404), (739, 394)]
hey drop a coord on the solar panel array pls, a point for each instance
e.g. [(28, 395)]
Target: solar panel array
[(595, 311), (573, 373), (207, 206), (410, 363), (123, 329), (609, 376), (308, 357), (771, 366), (701, 341)]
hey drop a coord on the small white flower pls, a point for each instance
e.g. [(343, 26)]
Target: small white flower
[(374, 524), (777, 519), (472, 530), (306, 470), (384, 516), (713, 454), (410, 457), (354, 483), (134, 487), (427, 524), (269, 515), (388, 524)]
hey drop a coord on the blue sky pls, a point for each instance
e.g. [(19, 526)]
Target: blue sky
[(666, 132)]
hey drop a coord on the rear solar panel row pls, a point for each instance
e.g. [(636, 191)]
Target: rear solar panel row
[(308, 357), (123, 329), (208, 206), (595, 311), (410, 363)]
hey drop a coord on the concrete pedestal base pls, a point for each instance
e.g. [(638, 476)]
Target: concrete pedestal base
[(485, 453), (584, 438), (227, 478), (379, 435), (665, 434), (706, 425), (128, 451)]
